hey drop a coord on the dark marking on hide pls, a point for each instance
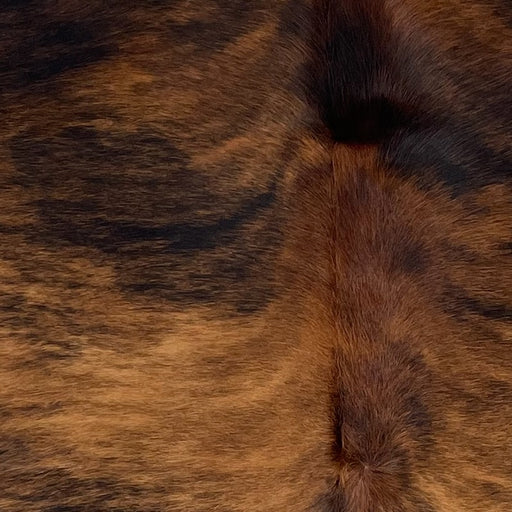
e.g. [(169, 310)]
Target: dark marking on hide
[(125, 237), (448, 154), (409, 255), (503, 11), (331, 501), (460, 304), (29, 479), (16, 4), (229, 20), (346, 78), (377, 406), (494, 491), (50, 485), (172, 231), (113, 175), (294, 19), (53, 49), (489, 310), (506, 248)]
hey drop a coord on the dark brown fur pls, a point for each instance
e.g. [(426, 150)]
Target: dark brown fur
[(256, 256)]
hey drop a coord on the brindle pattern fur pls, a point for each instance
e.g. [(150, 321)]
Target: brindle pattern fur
[(256, 256)]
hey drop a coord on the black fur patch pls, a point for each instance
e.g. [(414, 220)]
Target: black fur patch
[(53, 49), (346, 78), (171, 230), (448, 154)]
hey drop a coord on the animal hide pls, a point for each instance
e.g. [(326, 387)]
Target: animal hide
[(256, 256)]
